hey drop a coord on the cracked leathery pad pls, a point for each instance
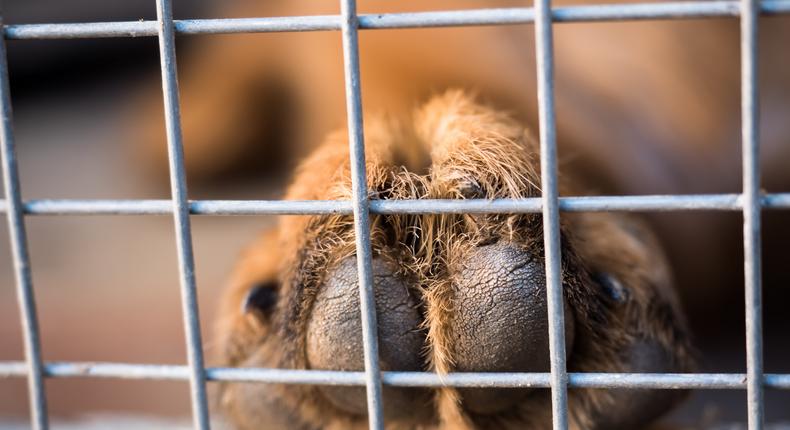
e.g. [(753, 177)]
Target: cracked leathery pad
[(501, 320)]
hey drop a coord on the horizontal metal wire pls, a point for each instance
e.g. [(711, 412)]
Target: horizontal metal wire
[(471, 17), (13, 369), (643, 203)]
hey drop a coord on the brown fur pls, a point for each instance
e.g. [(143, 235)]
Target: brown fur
[(649, 107), (642, 108), (474, 151)]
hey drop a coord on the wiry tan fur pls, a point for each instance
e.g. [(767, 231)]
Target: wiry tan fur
[(453, 148)]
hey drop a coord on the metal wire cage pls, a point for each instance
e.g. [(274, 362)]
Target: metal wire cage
[(751, 202)]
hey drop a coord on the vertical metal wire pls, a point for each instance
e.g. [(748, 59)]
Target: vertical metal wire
[(178, 188), (751, 212), (551, 214), (16, 229), (361, 205)]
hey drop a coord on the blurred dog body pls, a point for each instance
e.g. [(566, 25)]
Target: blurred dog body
[(649, 107)]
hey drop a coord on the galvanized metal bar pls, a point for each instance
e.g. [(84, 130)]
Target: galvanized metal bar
[(750, 125), (196, 207), (668, 381), (18, 238), (361, 206), (544, 53), (775, 201), (260, 25), (180, 208), (456, 18), (81, 30), (645, 203)]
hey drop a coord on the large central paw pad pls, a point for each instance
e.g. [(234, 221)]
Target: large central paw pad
[(334, 335), (500, 322)]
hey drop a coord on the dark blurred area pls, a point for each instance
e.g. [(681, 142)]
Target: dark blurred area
[(42, 67)]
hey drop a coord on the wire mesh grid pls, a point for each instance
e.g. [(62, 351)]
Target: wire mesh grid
[(751, 202)]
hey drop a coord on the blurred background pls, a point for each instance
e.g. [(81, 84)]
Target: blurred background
[(107, 286)]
